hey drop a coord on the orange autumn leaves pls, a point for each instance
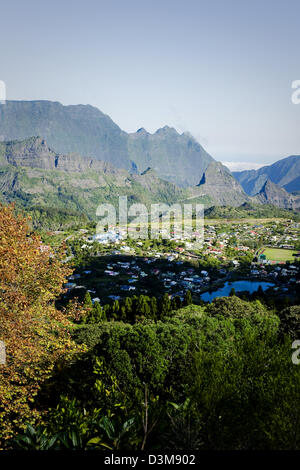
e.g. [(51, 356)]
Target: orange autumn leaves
[(35, 333)]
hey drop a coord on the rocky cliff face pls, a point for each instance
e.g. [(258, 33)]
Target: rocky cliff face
[(32, 174), (35, 153), (82, 129), (176, 157), (273, 194), (218, 183), (85, 130)]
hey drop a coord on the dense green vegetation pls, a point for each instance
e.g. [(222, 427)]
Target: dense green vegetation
[(50, 218), (249, 210), (146, 372), (133, 309), (214, 377)]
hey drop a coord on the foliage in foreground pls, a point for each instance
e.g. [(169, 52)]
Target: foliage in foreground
[(216, 376), (35, 333)]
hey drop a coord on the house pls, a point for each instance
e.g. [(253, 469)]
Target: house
[(254, 272), (235, 263), (74, 276), (70, 285), (114, 297), (125, 248)]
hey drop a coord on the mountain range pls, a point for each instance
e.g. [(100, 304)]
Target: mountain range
[(32, 174), (83, 158), (85, 130), (272, 193), (285, 173), (218, 182)]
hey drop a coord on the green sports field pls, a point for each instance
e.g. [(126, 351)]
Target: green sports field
[(279, 254)]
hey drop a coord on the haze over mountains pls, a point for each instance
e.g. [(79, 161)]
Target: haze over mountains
[(32, 174), (83, 158), (83, 129), (272, 193), (285, 173)]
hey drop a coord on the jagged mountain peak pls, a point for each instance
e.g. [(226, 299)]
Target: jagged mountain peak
[(167, 130), (218, 183), (272, 193), (142, 130), (284, 172), (31, 174), (215, 170), (86, 130), (268, 185)]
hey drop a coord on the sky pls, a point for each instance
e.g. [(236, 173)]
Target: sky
[(221, 70)]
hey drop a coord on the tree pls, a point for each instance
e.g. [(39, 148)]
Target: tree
[(232, 292), (260, 293), (128, 307), (142, 307), (122, 313), (178, 302), (35, 333), (290, 321), (97, 313), (106, 311), (115, 309), (87, 307), (234, 307), (153, 306), (187, 298), (165, 305), (87, 301)]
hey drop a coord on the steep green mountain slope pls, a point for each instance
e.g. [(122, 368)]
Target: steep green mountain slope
[(87, 131), (32, 175), (176, 157), (250, 210), (218, 183)]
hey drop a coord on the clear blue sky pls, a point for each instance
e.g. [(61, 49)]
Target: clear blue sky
[(219, 69)]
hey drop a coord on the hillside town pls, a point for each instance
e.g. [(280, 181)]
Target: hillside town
[(113, 266)]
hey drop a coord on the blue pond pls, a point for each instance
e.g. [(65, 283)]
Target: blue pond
[(239, 286)]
